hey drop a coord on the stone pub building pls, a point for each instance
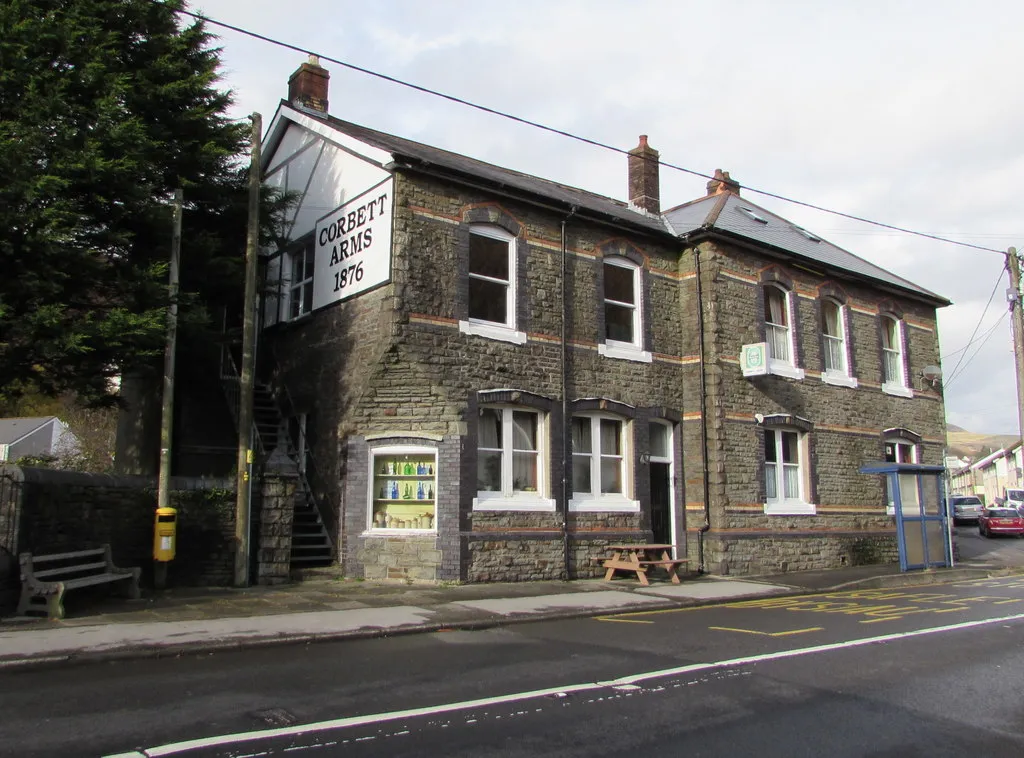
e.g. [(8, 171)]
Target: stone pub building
[(498, 375)]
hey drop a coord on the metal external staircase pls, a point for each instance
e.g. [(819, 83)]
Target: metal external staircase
[(311, 542)]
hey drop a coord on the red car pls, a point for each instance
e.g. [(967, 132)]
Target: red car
[(1000, 520)]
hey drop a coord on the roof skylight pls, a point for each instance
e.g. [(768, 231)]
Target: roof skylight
[(807, 234), (752, 214)]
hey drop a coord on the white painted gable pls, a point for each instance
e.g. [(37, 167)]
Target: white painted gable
[(324, 169), (321, 173)]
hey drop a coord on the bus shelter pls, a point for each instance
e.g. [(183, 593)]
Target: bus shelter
[(917, 498)]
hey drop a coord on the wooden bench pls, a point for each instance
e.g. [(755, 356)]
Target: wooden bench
[(638, 558), (45, 578), (670, 565)]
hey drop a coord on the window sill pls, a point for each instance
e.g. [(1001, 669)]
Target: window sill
[(385, 532), (604, 504), (624, 352), (781, 368), (525, 504), (493, 332), (790, 508), (839, 380), (897, 389)]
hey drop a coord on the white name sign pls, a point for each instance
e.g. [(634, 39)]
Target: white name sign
[(353, 246)]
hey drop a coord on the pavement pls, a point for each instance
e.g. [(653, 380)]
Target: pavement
[(323, 606)]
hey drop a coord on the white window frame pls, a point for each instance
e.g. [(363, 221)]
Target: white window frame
[(507, 331), (598, 502), (509, 499), (391, 451), (669, 429), (781, 505), (291, 285), (841, 377), (899, 388), (901, 443), (632, 350), (779, 366)]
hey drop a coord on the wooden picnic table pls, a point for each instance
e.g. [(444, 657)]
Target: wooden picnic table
[(638, 558)]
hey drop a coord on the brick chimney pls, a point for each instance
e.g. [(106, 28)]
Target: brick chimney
[(643, 177), (307, 87), (723, 183)]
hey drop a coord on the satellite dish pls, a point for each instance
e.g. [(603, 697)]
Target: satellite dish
[(932, 373)]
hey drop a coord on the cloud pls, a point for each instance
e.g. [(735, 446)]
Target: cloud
[(888, 110)]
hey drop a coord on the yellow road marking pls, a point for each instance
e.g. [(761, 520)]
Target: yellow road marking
[(766, 634), (622, 621)]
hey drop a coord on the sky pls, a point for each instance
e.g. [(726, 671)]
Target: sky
[(900, 111)]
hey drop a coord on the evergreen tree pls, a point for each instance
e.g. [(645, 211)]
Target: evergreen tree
[(106, 107)]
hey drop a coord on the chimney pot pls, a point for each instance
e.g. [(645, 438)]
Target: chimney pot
[(644, 191), (722, 182), (308, 85)]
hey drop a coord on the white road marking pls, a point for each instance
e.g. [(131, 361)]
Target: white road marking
[(558, 692)]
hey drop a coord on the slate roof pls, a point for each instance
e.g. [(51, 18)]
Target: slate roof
[(13, 429), (725, 213), (714, 213), (436, 157)]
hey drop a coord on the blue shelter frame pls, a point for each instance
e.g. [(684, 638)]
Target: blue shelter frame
[(917, 495)]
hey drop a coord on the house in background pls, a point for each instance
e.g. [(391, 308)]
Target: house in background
[(488, 376), (995, 472), (45, 436)]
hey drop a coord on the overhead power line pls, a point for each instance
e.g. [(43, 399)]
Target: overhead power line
[(988, 336), (561, 132), (952, 374)]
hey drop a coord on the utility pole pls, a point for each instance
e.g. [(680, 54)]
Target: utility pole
[(245, 453), (167, 414), (1017, 320)]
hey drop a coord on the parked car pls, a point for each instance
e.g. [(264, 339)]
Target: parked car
[(965, 509), (1000, 520), (1013, 498)]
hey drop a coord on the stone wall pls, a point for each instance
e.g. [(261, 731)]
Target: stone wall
[(58, 511), (395, 364), (847, 424)]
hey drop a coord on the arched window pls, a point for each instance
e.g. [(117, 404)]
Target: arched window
[(894, 375)]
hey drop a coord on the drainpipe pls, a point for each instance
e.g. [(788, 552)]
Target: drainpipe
[(703, 415), (565, 404)]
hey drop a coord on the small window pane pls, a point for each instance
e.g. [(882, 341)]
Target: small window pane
[(524, 431), (611, 439), (490, 428), (789, 447), (581, 435), (889, 334), (659, 437), (524, 471), (831, 323), (775, 307), (581, 474), (488, 471), (791, 485), (618, 284), (769, 446), (488, 301), (771, 485), (488, 257), (618, 323), (611, 475)]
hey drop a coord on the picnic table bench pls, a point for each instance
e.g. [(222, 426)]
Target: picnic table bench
[(638, 558), (46, 578)]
